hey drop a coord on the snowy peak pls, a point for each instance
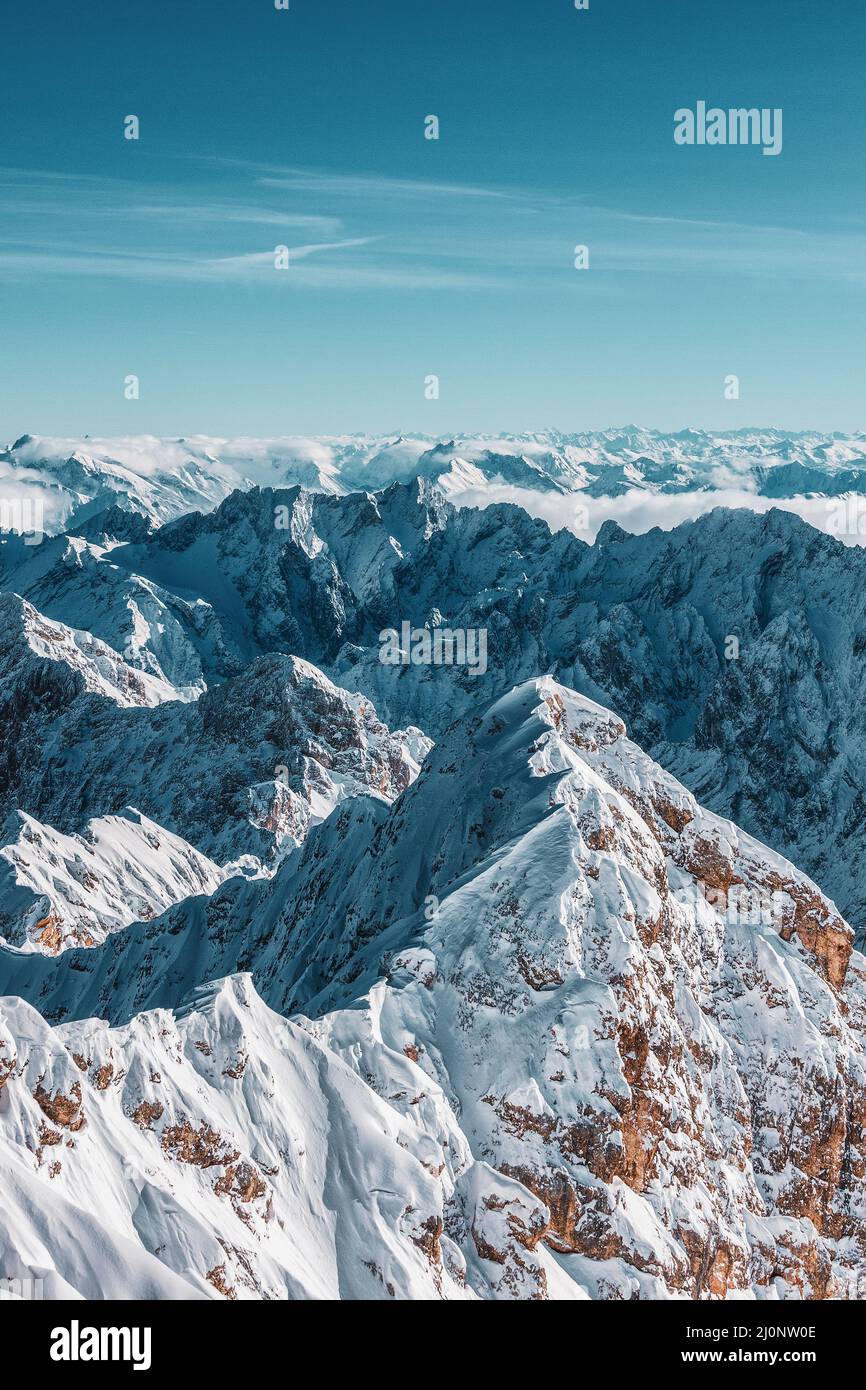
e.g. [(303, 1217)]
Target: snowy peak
[(215, 1154), (546, 974), (61, 891), (542, 750), (328, 743), (28, 639)]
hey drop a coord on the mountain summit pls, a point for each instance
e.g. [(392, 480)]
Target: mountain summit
[(554, 1031)]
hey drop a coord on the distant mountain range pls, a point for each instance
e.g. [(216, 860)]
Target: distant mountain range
[(163, 478)]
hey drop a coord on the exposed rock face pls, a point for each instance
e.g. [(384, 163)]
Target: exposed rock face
[(563, 1033)]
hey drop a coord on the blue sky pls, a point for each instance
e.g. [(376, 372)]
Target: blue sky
[(412, 257)]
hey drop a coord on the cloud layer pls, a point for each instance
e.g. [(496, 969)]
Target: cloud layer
[(638, 511)]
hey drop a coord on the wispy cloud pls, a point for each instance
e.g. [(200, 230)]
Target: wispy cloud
[(364, 186), (251, 268), (370, 231), (114, 262), (226, 213)]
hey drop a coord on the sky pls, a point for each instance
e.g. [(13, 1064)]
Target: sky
[(412, 258)]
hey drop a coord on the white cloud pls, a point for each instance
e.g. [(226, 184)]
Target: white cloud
[(638, 511)]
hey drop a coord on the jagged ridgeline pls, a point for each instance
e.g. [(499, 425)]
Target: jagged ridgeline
[(331, 975), (502, 1038), (732, 645)]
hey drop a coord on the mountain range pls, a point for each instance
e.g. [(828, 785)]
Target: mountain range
[(730, 645), (72, 479), (329, 977)]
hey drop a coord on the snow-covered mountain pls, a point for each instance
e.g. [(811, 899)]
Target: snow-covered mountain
[(301, 1005), (117, 798), (732, 645), (72, 890), (553, 1031), (73, 479)]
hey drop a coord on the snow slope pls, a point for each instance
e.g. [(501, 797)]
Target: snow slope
[(72, 890), (547, 1040)]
